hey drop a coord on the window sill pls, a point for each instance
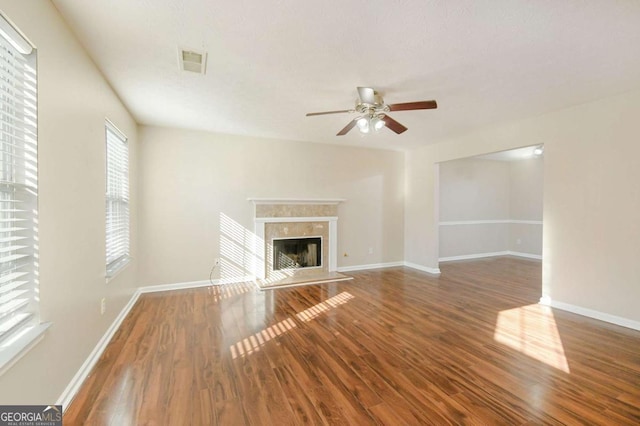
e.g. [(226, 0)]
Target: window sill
[(17, 347), (117, 267)]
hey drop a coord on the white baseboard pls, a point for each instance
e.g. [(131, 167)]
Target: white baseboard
[(473, 256), (491, 254), (370, 266), (490, 222), (435, 271), (72, 388), (194, 284), (176, 286), (525, 255), (613, 319)]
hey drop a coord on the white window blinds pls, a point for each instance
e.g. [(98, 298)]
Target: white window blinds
[(18, 192), (117, 200)]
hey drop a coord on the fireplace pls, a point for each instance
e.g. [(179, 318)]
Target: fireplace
[(280, 222), (296, 253)]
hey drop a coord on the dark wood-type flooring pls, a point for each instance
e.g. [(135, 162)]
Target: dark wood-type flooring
[(393, 346)]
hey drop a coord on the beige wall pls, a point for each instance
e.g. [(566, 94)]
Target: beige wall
[(473, 240), (191, 179), (526, 189), (194, 208), (73, 101), (475, 189), (591, 199)]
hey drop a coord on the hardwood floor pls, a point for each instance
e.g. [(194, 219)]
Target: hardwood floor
[(393, 346)]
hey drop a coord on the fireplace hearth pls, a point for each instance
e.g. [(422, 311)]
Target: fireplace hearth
[(299, 239)]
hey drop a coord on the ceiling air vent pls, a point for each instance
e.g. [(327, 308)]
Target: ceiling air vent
[(192, 60)]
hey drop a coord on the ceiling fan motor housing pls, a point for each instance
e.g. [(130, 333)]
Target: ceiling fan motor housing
[(374, 111), (379, 108)]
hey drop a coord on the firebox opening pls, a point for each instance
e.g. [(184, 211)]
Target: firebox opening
[(294, 253)]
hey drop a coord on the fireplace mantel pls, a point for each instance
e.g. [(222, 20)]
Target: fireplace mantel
[(292, 217), (285, 219), (319, 201)]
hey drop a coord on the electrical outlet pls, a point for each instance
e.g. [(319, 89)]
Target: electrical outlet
[(103, 306), (370, 250)]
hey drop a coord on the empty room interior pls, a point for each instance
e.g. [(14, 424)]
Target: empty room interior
[(286, 212)]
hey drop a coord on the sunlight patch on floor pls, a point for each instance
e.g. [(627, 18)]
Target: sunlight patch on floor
[(226, 291), (253, 343), (532, 331), (332, 302)]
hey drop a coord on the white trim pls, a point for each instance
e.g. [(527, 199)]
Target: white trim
[(527, 222), (115, 129), (14, 36), (427, 269), (370, 266), (525, 255), (74, 385), (259, 224), (491, 254), (473, 222), (174, 286), (473, 256), (16, 350), (613, 319), (195, 284), (329, 201), (490, 221), (333, 245), (72, 388), (295, 219), (117, 268)]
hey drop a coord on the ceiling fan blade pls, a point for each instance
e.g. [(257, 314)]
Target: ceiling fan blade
[(348, 127), (393, 124), (328, 112), (367, 95), (408, 106)]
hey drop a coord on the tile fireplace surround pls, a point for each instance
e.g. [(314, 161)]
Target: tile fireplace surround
[(291, 218)]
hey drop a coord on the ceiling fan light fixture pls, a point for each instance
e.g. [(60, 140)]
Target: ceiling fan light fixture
[(363, 124), (377, 123), (373, 112)]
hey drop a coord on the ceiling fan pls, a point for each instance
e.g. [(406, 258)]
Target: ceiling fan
[(374, 111)]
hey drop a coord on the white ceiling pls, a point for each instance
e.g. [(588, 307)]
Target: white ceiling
[(272, 61)]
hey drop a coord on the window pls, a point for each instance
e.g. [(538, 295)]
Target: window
[(19, 308), (117, 200)]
